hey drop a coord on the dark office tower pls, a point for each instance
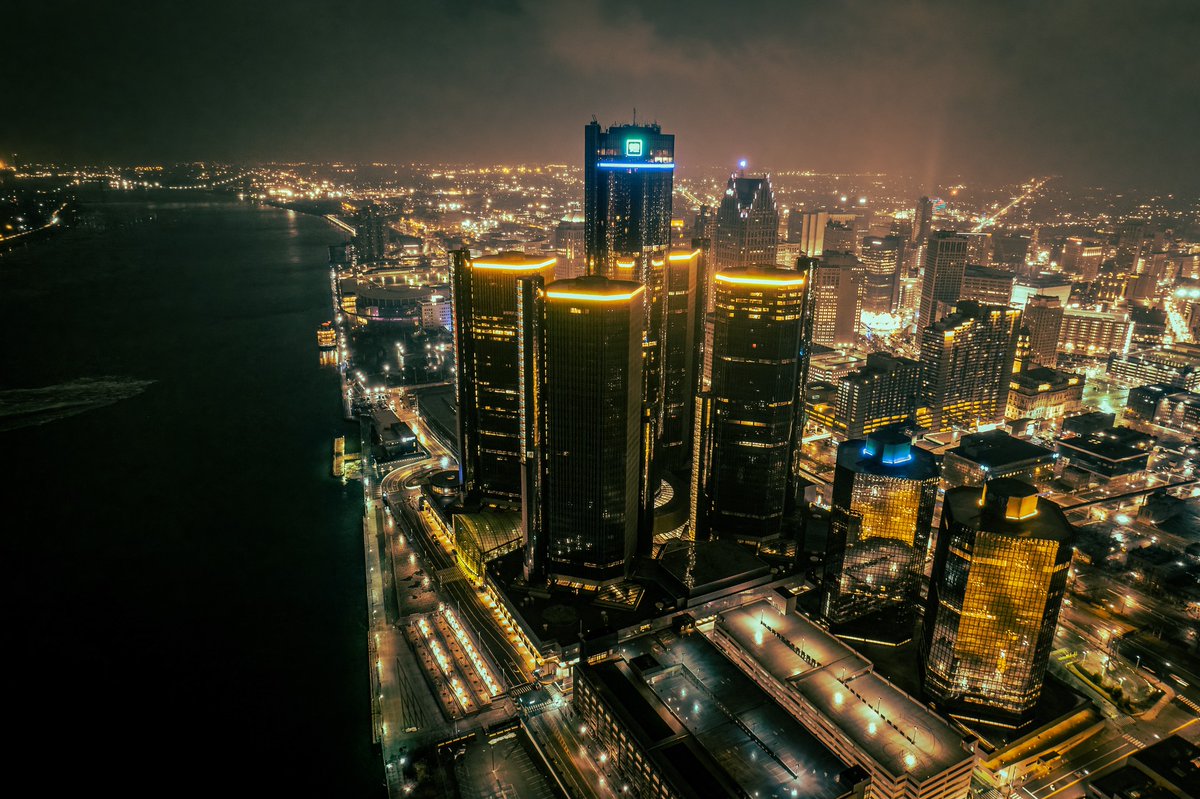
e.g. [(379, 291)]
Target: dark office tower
[(945, 261), (756, 374), (487, 341), (593, 427), (922, 220), (882, 257), (1131, 235), (884, 492), (966, 365), (999, 572), (838, 281), (684, 295), (1044, 317), (882, 393), (370, 233), (747, 223), (531, 380), (628, 175)]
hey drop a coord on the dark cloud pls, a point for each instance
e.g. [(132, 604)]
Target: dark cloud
[(1094, 90)]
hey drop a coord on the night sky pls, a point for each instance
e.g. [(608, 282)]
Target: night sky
[(1097, 91)]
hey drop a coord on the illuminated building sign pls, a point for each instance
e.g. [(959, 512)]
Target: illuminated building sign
[(633, 148)]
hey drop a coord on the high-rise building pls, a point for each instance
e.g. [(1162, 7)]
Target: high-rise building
[(1082, 258), (945, 262), (840, 236), (593, 427), (966, 361), (838, 285), (370, 233), (882, 393), (979, 247), (1095, 333), (884, 491), (628, 175), (987, 285), (882, 256), (922, 221), (569, 243), (999, 574), (747, 223), (704, 229), (1044, 317), (811, 225), (746, 441), (684, 324), (1130, 241), (487, 338)]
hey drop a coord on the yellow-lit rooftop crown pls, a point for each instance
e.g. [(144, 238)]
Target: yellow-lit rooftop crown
[(1015, 499), (762, 275), (514, 262), (593, 288)]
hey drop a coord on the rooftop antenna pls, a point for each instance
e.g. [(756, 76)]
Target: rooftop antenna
[(635, 115)]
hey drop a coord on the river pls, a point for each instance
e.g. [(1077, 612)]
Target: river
[(183, 592)]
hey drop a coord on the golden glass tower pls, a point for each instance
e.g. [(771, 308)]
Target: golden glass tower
[(999, 574), (884, 491)]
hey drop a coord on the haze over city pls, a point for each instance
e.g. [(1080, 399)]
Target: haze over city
[(1099, 92)]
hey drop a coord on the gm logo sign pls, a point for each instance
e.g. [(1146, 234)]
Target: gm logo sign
[(633, 147)]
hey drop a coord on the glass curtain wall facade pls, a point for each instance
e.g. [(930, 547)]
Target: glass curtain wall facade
[(487, 333), (883, 499), (756, 376), (593, 432), (999, 575)]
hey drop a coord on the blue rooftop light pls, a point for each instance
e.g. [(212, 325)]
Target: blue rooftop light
[(634, 165)]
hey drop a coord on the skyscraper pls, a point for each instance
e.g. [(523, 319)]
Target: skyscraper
[(487, 339), (747, 223), (922, 220), (370, 233), (999, 574), (812, 231), (883, 497), (593, 427), (882, 256), (945, 261), (1044, 317), (684, 321), (628, 175), (840, 236), (748, 441), (966, 362), (569, 243), (882, 393), (838, 283)]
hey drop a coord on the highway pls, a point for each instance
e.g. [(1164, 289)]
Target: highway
[(1034, 187)]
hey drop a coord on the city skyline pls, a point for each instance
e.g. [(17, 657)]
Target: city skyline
[(620, 461)]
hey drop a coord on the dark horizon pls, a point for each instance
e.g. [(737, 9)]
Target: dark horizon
[(1101, 93)]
